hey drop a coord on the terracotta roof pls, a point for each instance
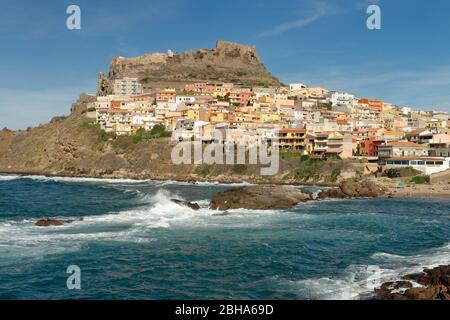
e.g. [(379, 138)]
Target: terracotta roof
[(293, 130), (403, 144)]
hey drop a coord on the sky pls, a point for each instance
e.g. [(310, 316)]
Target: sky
[(44, 66)]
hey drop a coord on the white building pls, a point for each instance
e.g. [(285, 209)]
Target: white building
[(184, 99), (297, 87), (342, 98), (427, 165), (127, 87), (146, 121)]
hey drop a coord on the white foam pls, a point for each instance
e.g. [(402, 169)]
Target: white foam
[(43, 178), (9, 177), (84, 180), (132, 225), (358, 280)]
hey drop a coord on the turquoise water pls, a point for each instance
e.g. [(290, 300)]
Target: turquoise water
[(134, 243)]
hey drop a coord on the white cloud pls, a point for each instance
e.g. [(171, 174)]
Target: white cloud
[(318, 11), (426, 88)]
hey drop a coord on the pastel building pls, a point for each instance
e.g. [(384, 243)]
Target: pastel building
[(127, 87), (401, 149), (427, 165)]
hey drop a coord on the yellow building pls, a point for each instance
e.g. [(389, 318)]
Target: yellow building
[(218, 117), (198, 114), (269, 117), (292, 139)]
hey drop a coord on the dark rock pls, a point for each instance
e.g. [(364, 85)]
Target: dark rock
[(54, 222), (192, 205), (435, 284), (421, 278), (49, 223), (260, 197), (353, 188), (385, 292), (334, 193)]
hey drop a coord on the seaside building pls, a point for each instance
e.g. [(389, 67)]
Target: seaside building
[(401, 149), (427, 165)]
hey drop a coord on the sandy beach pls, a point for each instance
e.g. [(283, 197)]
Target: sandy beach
[(421, 191)]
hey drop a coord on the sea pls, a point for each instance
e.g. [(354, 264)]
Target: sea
[(128, 240)]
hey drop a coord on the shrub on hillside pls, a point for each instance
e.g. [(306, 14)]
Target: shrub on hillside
[(400, 172), (420, 180)]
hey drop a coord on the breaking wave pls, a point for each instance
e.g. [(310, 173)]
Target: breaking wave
[(155, 211), (359, 281), (42, 178), (8, 177)]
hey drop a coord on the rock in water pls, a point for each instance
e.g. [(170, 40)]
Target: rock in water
[(261, 197), (192, 205), (435, 285), (54, 222), (353, 188), (49, 223)]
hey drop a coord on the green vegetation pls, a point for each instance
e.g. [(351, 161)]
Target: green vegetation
[(207, 170), (288, 154), (309, 169), (335, 174), (58, 119), (420, 180), (400, 172), (158, 131), (88, 124), (105, 136), (391, 173), (239, 168)]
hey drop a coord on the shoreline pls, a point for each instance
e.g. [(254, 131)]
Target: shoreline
[(230, 179), (422, 191)]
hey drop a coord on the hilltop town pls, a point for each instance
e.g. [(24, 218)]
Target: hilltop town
[(129, 127), (311, 121)]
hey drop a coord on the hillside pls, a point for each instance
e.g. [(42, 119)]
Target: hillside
[(228, 62), (74, 146)]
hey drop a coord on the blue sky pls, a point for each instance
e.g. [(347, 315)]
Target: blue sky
[(44, 66)]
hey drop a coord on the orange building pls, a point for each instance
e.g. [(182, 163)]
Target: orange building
[(166, 96), (375, 105)]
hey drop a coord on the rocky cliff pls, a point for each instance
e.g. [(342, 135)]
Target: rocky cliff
[(228, 62)]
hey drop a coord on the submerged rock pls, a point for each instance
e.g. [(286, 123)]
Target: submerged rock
[(193, 205), (433, 284), (260, 197), (353, 188), (49, 223), (53, 222)]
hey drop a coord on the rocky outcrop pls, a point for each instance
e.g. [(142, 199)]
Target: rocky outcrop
[(432, 284), (353, 188), (259, 197), (53, 222), (49, 223), (192, 205), (228, 62), (81, 105)]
